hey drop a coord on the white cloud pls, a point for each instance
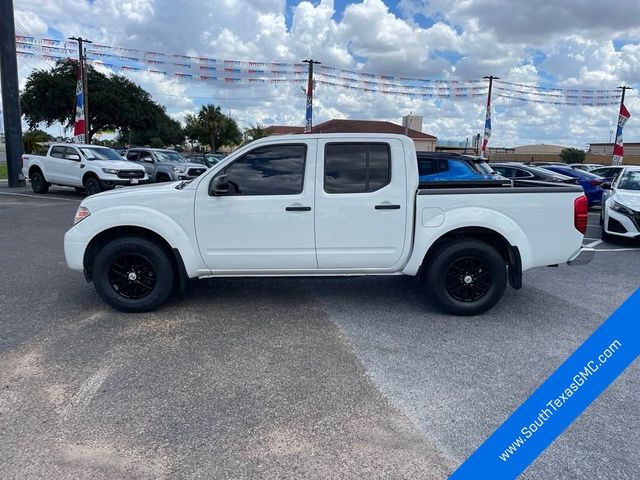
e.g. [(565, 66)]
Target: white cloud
[(567, 43)]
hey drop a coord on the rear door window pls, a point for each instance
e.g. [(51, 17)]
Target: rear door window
[(356, 167)]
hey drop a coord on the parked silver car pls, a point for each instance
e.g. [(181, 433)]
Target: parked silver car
[(163, 165)]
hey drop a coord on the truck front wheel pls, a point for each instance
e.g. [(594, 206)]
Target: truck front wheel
[(466, 277), (133, 274), (92, 186)]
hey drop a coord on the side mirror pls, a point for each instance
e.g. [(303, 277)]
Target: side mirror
[(74, 156), (147, 159), (219, 186), (606, 185)]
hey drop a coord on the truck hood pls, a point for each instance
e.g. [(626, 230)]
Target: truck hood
[(127, 194), (628, 199), (117, 164)]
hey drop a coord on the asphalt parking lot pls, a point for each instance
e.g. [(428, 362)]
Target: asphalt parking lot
[(289, 378)]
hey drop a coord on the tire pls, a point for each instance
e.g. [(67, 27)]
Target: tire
[(450, 277), (162, 178), (602, 216), (38, 183), (92, 186), (133, 274)]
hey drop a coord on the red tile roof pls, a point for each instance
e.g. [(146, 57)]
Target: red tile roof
[(284, 130), (352, 126), (368, 126)]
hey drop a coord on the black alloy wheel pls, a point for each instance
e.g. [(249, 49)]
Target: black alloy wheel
[(465, 276), (468, 279), (92, 186), (38, 183), (132, 276)]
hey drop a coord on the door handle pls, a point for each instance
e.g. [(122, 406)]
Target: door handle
[(385, 206), (298, 209)]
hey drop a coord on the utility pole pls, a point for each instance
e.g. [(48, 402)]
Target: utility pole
[(82, 59), (308, 124), (487, 121), (10, 93), (623, 116)]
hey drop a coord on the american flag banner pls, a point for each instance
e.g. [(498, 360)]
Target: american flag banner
[(487, 130), (79, 127), (618, 149)]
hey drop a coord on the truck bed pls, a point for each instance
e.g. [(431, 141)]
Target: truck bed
[(494, 186)]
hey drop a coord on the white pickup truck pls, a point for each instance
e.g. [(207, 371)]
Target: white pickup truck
[(89, 168), (309, 205)]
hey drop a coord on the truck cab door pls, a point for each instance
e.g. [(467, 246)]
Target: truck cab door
[(362, 206), (255, 214), (72, 167), (54, 164)]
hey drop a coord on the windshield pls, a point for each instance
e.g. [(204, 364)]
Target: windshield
[(630, 180), (100, 153), (169, 156)]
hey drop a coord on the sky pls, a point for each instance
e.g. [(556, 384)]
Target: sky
[(551, 43)]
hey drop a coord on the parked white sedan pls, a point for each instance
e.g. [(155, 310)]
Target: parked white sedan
[(620, 214)]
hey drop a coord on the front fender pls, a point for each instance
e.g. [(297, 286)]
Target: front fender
[(458, 218), (177, 235)]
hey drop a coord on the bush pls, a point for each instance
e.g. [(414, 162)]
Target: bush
[(572, 155)]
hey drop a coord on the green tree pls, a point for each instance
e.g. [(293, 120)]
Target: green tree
[(33, 140), (572, 155), (211, 126), (211, 119), (115, 103)]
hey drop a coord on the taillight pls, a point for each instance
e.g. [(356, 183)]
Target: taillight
[(21, 161), (580, 214)]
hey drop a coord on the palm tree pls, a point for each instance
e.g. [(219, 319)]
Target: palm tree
[(254, 133), (211, 119), (33, 140)]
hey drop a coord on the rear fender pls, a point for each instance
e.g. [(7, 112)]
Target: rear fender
[(459, 218)]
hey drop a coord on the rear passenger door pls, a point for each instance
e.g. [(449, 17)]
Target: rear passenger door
[(54, 166), (361, 204)]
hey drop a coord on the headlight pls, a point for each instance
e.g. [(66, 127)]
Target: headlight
[(111, 171), (81, 214), (178, 169), (618, 207)]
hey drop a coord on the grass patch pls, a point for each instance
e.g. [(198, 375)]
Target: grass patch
[(3, 170)]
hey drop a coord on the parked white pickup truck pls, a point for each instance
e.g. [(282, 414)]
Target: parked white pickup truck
[(309, 205), (90, 168)]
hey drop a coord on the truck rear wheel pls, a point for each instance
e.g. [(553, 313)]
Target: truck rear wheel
[(133, 274), (38, 182), (466, 277)]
